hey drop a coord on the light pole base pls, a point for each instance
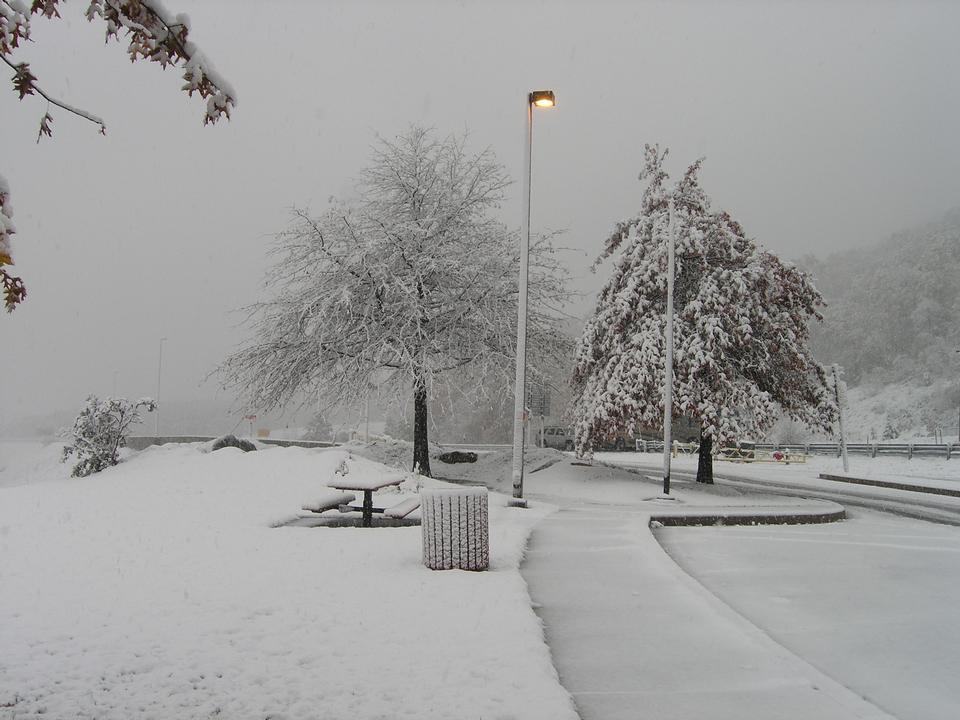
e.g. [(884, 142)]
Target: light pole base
[(517, 502), (661, 498)]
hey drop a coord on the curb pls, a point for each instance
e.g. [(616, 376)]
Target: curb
[(891, 485), (746, 518)]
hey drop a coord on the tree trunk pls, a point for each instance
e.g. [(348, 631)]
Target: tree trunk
[(705, 460), (421, 449)]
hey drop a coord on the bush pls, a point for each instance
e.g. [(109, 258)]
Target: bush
[(100, 430), (319, 429), (233, 441), (457, 456)]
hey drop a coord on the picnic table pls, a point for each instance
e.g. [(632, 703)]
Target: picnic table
[(368, 486)]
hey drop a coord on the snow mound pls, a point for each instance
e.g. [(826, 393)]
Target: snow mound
[(495, 469)]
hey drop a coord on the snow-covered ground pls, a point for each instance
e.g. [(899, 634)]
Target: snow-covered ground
[(160, 589), (872, 601), (864, 611), (895, 469)]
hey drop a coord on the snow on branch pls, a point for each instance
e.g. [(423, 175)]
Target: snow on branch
[(13, 289), (152, 32), (740, 326), (413, 279), (155, 34)]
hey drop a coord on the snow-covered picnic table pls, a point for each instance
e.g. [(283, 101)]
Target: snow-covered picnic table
[(368, 485)]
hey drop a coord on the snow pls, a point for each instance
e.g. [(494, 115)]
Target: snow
[(901, 412), (881, 617), (23, 463), (162, 588), (629, 630), (919, 470), (7, 227), (158, 588)]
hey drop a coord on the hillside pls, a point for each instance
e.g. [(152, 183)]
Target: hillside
[(893, 321)]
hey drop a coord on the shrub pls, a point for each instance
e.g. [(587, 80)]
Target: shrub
[(233, 441), (457, 456), (100, 430)]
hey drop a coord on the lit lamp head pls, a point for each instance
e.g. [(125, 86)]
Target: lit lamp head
[(543, 98)]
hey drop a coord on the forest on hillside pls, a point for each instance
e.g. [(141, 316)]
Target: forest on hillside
[(893, 319)]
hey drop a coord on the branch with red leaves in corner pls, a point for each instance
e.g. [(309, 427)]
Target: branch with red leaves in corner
[(152, 33)]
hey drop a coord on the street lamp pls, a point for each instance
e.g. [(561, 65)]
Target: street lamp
[(540, 99), (668, 343), (156, 427)]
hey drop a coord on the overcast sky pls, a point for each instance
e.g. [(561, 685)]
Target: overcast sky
[(825, 126)]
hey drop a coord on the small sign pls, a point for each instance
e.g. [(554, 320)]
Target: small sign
[(538, 400)]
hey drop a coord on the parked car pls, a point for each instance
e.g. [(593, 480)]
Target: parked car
[(558, 437)]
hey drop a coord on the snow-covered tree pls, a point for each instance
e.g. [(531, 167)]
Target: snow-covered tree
[(152, 33), (319, 428), (411, 280), (740, 327), (100, 430)]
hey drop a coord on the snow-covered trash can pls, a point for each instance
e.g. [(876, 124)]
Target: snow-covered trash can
[(456, 530)]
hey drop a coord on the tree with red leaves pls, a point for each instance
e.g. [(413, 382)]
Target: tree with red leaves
[(741, 354), (152, 33)]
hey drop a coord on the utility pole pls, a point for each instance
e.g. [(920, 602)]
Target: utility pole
[(156, 427)]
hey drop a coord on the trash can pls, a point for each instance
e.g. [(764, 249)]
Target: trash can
[(455, 527)]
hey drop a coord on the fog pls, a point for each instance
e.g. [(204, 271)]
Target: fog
[(824, 126)]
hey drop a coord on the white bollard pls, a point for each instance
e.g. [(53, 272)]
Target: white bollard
[(455, 529)]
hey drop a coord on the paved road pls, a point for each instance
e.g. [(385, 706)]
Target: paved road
[(936, 508), (874, 602), (633, 636)]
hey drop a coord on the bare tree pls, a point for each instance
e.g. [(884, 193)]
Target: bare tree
[(153, 33), (411, 280)]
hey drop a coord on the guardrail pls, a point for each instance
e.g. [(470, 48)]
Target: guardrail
[(141, 442), (908, 450)]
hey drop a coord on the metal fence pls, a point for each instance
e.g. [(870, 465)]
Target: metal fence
[(908, 450)]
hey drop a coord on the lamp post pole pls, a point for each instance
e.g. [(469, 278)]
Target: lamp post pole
[(840, 395), (156, 427), (668, 360), (545, 99)]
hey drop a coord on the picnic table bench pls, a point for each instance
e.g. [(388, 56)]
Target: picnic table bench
[(401, 510), (328, 501), (368, 486)]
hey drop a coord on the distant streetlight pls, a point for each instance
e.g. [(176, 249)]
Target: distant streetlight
[(540, 99), (840, 396), (156, 427)]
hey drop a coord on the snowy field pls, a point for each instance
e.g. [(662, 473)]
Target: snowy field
[(159, 589)]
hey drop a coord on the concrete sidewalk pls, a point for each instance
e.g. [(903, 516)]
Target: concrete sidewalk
[(633, 636)]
